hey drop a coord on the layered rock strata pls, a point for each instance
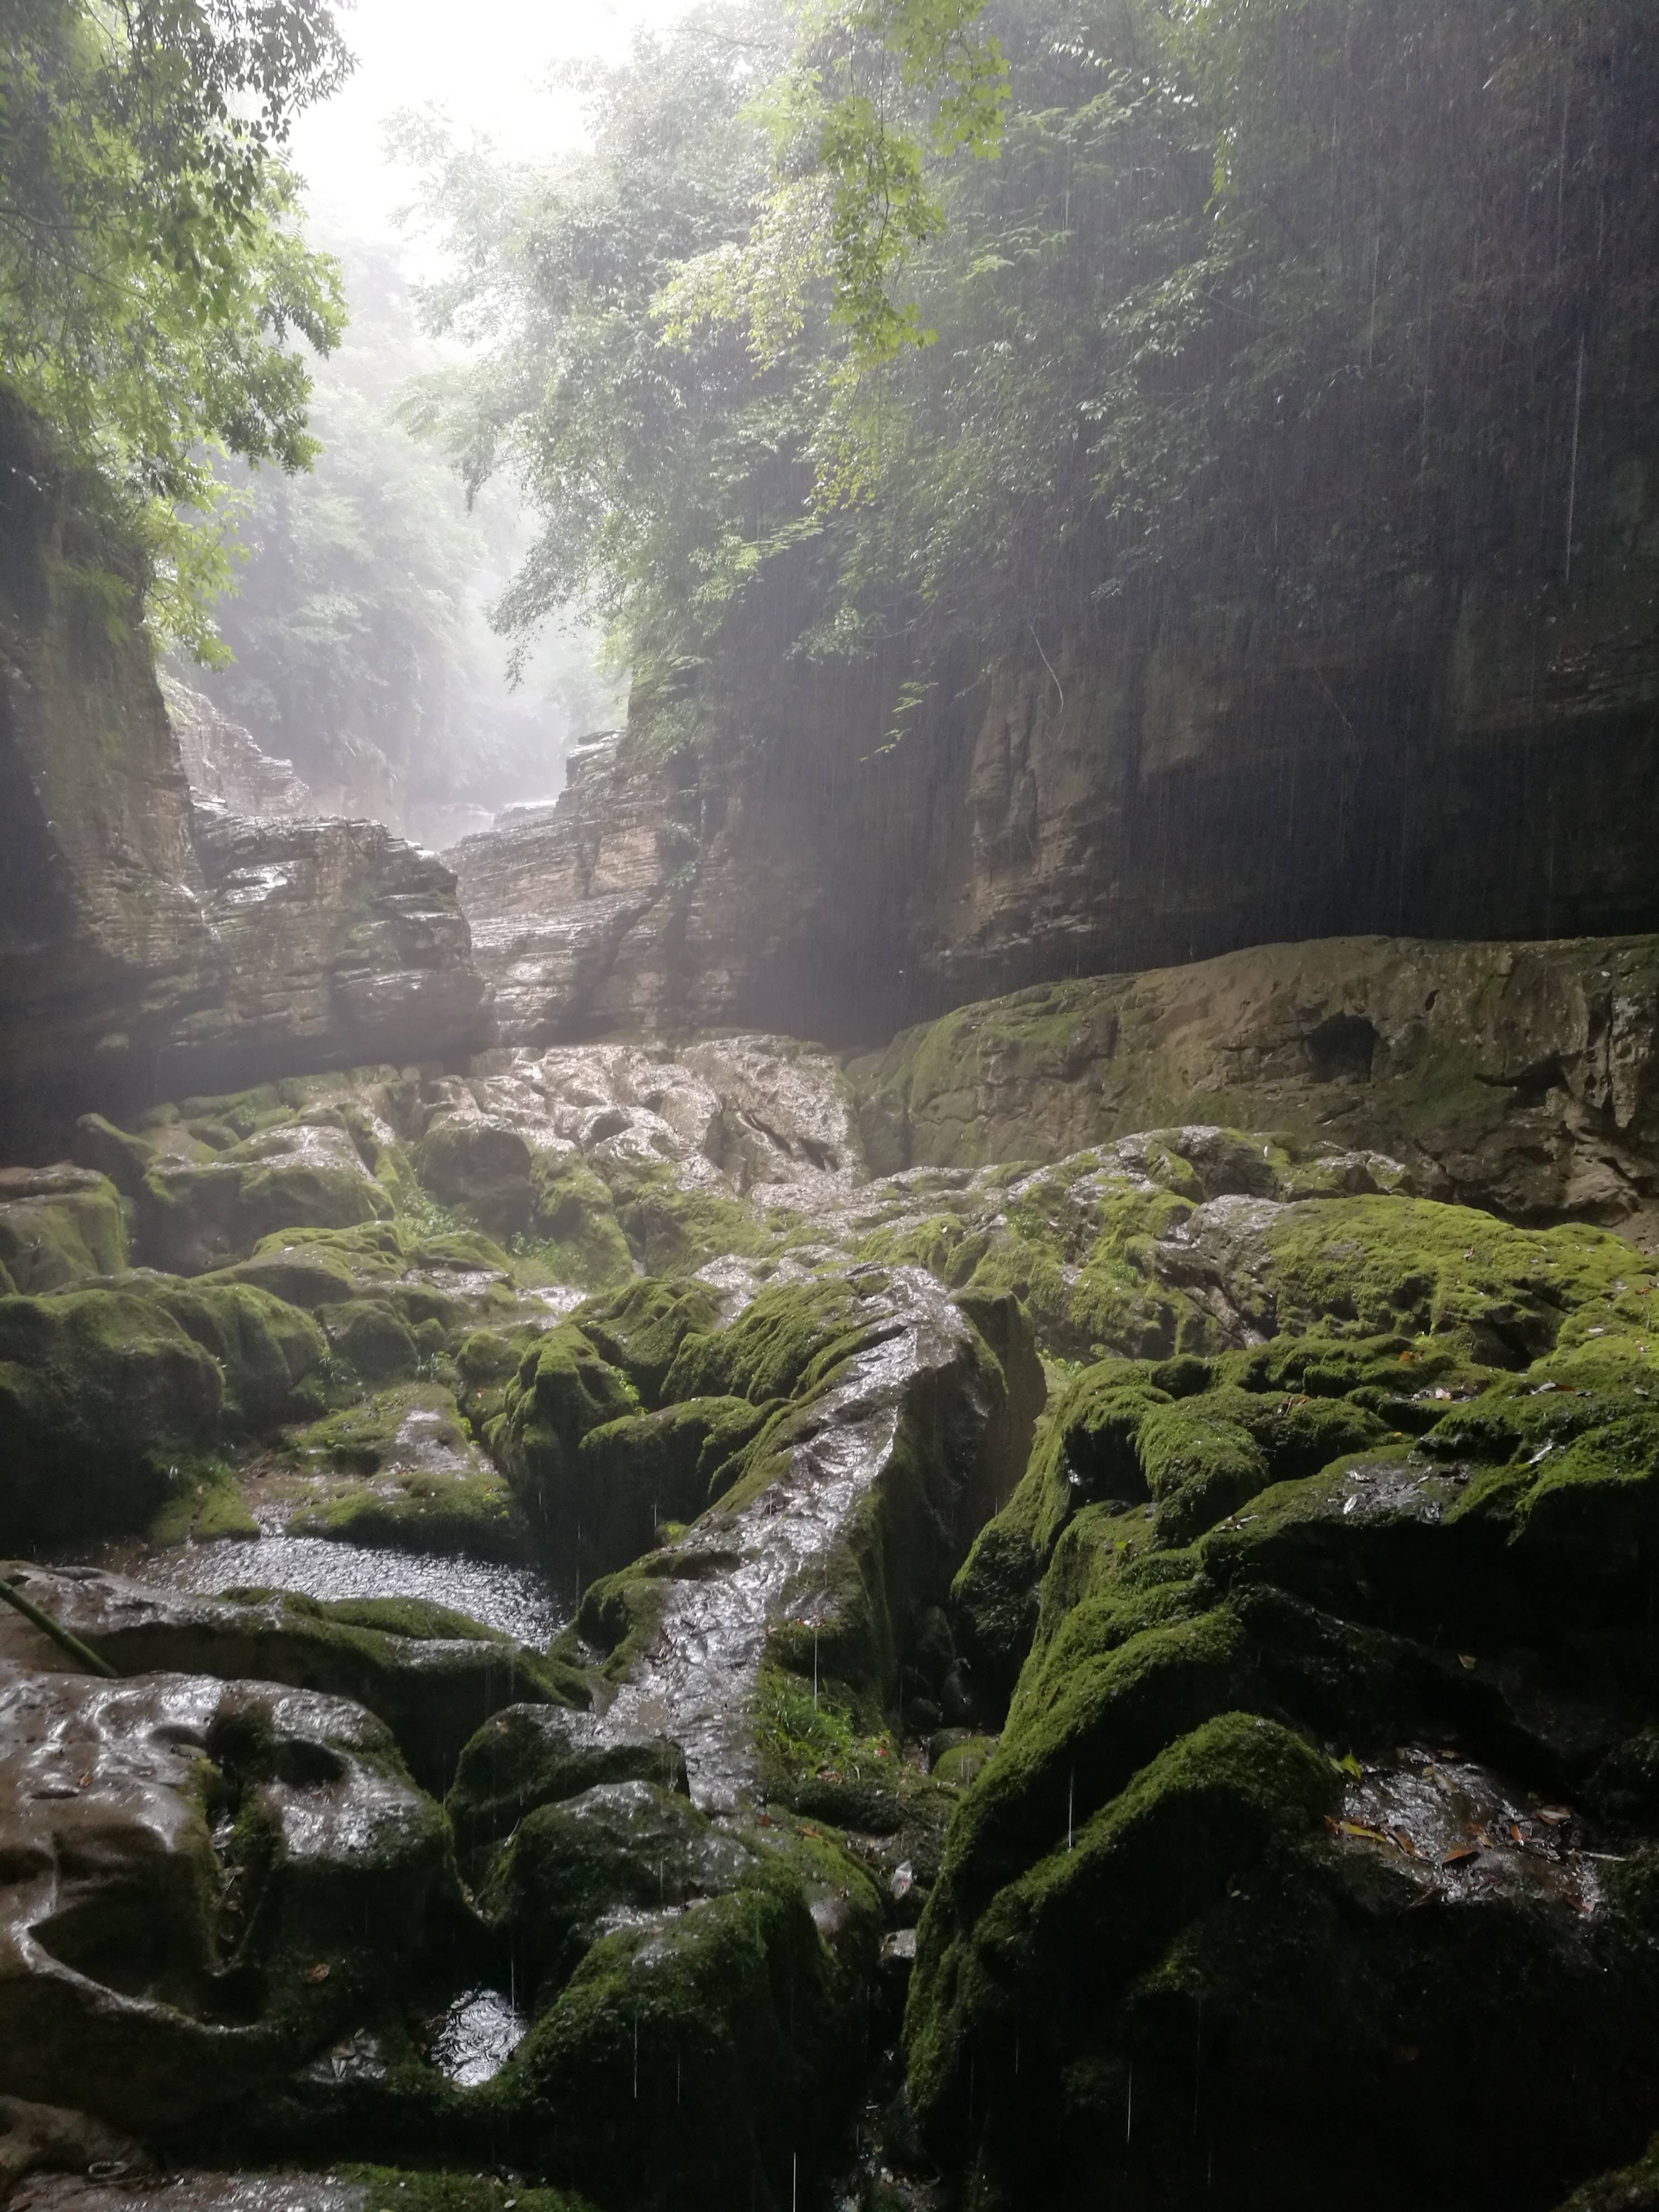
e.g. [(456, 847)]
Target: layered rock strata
[(227, 767), (145, 946)]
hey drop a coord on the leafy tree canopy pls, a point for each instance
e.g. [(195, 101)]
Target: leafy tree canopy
[(1280, 304), (152, 276), (360, 649)]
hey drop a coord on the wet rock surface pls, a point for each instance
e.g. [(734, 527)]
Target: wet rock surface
[(1517, 1076), (203, 1879), (906, 1684)]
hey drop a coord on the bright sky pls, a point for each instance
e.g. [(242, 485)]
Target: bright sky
[(484, 62)]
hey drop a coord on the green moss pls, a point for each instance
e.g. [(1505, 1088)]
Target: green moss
[(58, 1226), (769, 1352), (372, 1338), (431, 1675), (420, 1488), (612, 1852), (414, 2189), (268, 1350), (963, 1764), (100, 1393), (670, 1230), (532, 1755), (640, 1330), (1114, 1890), (309, 1275), (572, 1234), (746, 2027), (628, 1477), (563, 1389), (1632, 2189), (1504, 1297), (620, 1615), (943, 1243), (99, 1144), (470, 1516), (205, 1503)]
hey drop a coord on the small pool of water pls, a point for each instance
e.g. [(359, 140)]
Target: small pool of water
[(518, 1600)]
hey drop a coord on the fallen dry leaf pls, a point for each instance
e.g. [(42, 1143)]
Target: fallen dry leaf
[(1461, 1855)]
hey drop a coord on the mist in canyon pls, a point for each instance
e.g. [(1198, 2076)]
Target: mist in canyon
[(828, 1105)]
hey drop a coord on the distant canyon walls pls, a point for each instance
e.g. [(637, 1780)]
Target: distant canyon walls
[(148, 946)]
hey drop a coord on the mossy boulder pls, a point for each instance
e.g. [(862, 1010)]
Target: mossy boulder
[(630, 1477), (197, 1215), (1220, 1570), (433, 1675), (770, 1351), (58, 1226), (398, 1469), (484, 1164), (532, 1755), (1632, 2189), (672, 1229), (102, 1393), (577, 1868), (268, 1350), (373, 1340), (108, 1151), (573, 1235), (563, 1389), (640, 1330), (740, 2020), (254, 1872), (526, 1185), (1219, 1931)]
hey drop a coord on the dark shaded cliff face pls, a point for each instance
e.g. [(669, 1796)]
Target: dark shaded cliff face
[(1459, 770), (145, 945), (1468, 754)]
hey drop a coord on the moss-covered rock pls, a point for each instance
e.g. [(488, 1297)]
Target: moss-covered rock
[(573, 1235), (564, 1388), (738, 2021), (532, 1755), (373, 1340), (1632, 2189), (433, 1675), (630, 1477), (268, 1350), (1480, 1067), (102, 1392), (194, 1216), (577, 1868), (399, 1470), (58, 1226), (768, 1352), (1221, 1932), (125, 1158), (253, 1874), (640, 1330), (1396, 1545)]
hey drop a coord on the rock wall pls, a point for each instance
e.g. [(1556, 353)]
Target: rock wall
[(1519, 1077), (227, 768), (145, 946), (1477, 760)]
